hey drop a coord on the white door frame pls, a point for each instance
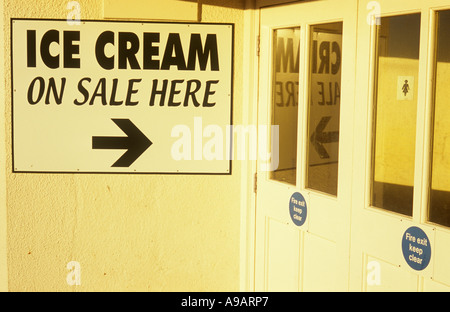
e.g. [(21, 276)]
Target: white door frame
[(323, 230), (248, 205)]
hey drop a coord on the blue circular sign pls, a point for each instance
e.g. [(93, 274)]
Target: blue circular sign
[(297, 209), (416, 248)]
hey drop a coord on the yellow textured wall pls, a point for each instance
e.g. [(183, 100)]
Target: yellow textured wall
[(3, 234), (396, 128), (128, 232), (396, 123), (441, 165)]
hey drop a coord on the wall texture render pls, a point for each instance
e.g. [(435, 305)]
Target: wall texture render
[(128, 232), (3, 234)]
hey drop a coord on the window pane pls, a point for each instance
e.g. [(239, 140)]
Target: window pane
[(395, 113), (286, 43), (440, 181), (324, 107)]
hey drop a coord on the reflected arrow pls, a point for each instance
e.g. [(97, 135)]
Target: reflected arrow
[(318, 138), (135, 143)]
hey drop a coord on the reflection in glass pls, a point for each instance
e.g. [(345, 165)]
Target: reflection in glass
[(395, 107), (286, 43), (440, 179), (324, 107)]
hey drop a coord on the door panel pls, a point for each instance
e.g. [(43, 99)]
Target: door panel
[(282, 259), (360, 199), (307, 48), (382, 276), (320, 269), (442, 254), (393, 149)]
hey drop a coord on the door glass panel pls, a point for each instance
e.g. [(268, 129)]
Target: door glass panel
[(395, 107), (440, 181), (324, 107), (286, 44)]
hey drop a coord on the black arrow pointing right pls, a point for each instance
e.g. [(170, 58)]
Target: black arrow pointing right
[(135, 143)]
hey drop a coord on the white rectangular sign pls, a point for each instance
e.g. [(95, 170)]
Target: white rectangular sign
[(132, 97)]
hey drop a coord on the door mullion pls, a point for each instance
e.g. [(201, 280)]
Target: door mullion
[(423, 128)]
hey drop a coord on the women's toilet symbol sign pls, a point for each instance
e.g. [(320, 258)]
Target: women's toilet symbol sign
[(297, 209), (405, 88), (416, 248)]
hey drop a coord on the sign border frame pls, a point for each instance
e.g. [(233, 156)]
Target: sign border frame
[(14, 170)]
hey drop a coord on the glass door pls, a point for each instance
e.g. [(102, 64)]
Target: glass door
[(306, 100), (400, 212)]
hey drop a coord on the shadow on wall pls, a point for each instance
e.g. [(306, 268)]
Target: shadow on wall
[(227, 4), (232, 4)]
